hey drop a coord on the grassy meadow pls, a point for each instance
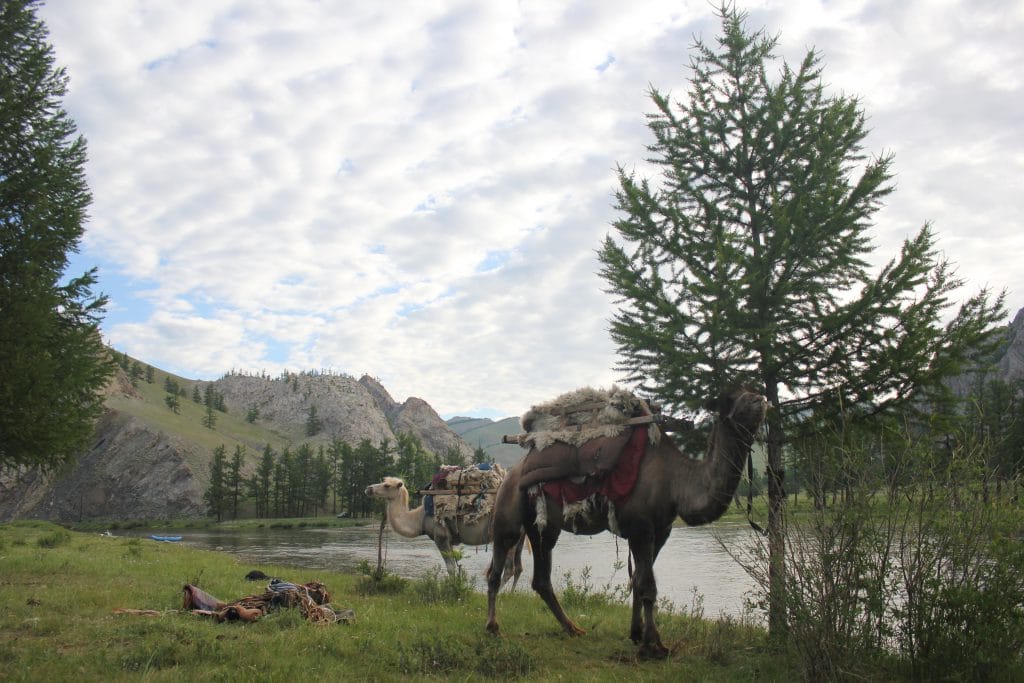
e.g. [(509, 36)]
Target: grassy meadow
[(59, 589)]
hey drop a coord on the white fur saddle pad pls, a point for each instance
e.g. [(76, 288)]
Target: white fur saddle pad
[(579, 416)]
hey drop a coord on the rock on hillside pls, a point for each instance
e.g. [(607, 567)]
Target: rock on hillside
[(345, 408), (130, 472), (1011, 365), (1008, 361), (417, 417)]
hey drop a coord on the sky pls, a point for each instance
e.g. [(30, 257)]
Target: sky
[(416, 190)]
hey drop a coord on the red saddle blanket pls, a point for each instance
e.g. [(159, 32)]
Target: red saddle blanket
[(616, 485)]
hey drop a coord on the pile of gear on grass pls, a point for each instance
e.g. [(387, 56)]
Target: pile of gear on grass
[(312, 599)]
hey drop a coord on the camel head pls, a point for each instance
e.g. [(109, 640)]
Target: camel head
[(392, 488), (742, 409)]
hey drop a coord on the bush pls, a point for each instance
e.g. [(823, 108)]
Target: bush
[(432, 587), (53, 539), (374, 582), (902, 567), (583, 594)]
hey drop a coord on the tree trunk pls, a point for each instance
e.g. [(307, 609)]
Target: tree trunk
[(776, 521)]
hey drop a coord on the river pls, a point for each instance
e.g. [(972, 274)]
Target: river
[(692, 561)]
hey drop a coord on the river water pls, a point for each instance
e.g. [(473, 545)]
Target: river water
[(692, 561)]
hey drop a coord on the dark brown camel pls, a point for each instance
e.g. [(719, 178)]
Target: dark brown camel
[(669, 485)]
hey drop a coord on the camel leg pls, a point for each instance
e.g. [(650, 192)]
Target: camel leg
[(643, 629), (506, 538), (513, 564), (516, 559), (443, 541), (543, 545)]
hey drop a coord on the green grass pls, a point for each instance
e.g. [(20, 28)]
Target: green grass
[(58, 590)]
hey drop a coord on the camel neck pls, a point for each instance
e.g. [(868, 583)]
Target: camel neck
[(404, 521), (703, 493)]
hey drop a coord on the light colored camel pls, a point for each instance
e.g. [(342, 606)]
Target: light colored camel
[(445, 533), (669, 485)]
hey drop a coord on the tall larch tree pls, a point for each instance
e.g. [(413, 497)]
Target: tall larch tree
[(53, 364), (748, 260)]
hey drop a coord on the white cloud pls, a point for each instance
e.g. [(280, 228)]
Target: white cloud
[(417, 189)]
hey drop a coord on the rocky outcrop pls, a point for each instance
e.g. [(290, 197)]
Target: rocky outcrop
[(1007, 364), (130, 472), (344, 407), (1011, 365), (415, 416)]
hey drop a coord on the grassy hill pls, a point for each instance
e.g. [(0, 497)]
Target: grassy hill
[(230, 430), (486, 433)]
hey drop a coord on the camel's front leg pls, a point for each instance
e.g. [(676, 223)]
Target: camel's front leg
[(643, 629), (443, 541)]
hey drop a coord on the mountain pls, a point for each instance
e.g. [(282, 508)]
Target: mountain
[(1007, 363), (1010, 365), (486, 433), (148, 462)]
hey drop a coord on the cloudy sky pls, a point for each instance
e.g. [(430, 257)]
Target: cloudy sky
[(416, 189)]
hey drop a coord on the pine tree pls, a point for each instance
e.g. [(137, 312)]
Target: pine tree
[(480, 456), (262, 482), (210, 402), (210, 417), (53, 363), (313, 422), (234, 479), (748, 261), (216, 495)]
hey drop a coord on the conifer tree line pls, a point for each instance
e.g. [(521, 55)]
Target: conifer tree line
[(311, 480)]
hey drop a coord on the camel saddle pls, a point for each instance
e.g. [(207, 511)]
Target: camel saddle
[(582, 435), (594, 459)]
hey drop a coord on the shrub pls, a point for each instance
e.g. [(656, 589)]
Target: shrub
[(377, 582), (901, 566), (53, 539), (432, 587)]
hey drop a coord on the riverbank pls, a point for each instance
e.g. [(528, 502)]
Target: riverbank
[(59, 590)]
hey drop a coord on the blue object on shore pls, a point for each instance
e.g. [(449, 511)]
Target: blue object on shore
[(165, 539)]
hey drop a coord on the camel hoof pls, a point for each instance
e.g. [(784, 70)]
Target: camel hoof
[(653, 651), (574, 630), (493, 629)]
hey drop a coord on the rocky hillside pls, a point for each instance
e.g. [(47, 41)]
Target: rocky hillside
[(148, 462), (1007, 364), (1011, 364)]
